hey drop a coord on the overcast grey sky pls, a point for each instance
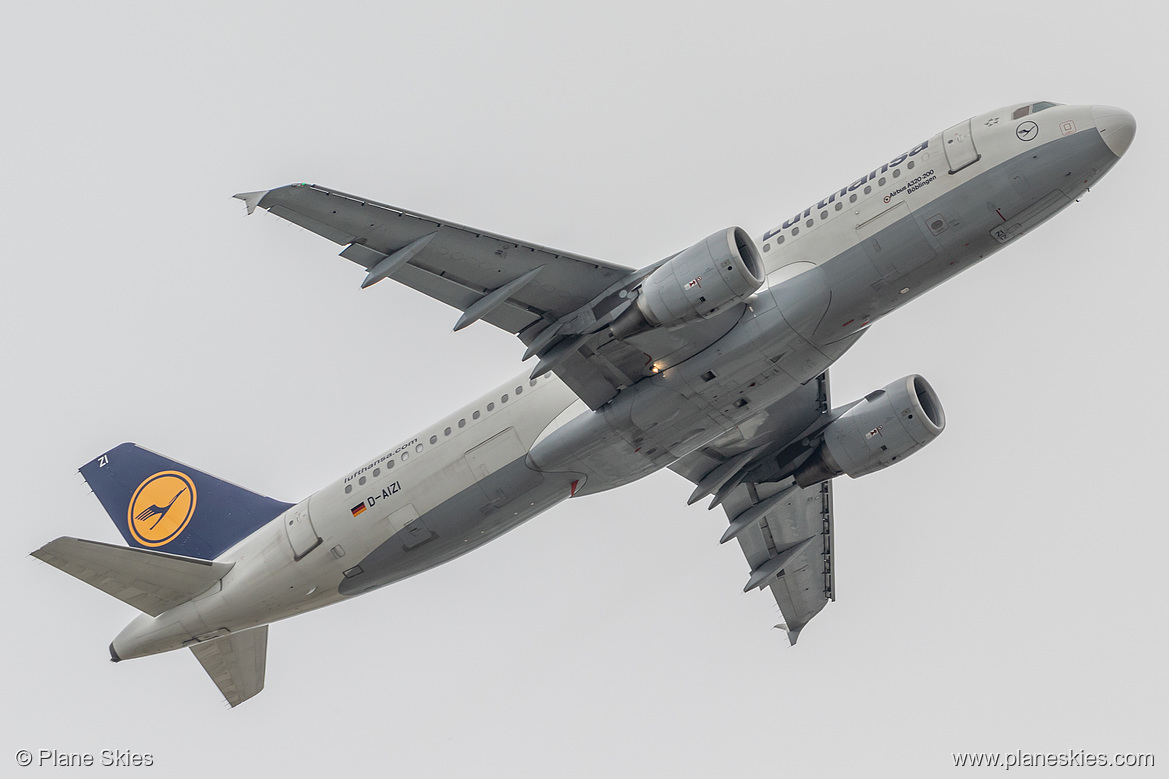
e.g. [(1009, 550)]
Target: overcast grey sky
[(1002, 590)]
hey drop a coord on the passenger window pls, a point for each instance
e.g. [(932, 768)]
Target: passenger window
[(1021, 112), (462, 423), (434, 439), (475, 415)]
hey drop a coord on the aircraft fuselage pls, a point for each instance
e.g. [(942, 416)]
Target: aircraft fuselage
[(833, 269)]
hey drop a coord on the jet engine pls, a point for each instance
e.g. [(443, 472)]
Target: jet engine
[(886, 426), (697, 283)]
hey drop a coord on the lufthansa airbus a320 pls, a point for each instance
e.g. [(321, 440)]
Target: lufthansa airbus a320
[(712, 362)]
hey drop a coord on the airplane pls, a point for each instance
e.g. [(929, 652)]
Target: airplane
[(712, 362)]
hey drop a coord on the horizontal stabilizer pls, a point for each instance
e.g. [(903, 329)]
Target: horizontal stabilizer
[(149, 581), (236, 663)]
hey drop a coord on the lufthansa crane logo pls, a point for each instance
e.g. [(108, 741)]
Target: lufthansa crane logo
[(1027, 131), (161, 508)]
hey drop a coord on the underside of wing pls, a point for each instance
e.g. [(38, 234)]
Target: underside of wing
[(560, 305), (455, 264), (784, 530)]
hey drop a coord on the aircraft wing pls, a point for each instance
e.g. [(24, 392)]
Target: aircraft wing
[(559, 304), (785, 531), (236, 662)]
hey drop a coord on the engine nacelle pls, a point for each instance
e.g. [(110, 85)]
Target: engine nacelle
[(888, 425), (698, 283)]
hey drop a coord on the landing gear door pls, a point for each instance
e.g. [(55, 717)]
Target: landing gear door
[(959, 145), (302, 536)]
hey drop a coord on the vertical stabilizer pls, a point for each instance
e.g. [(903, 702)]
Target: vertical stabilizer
[(162, 505)]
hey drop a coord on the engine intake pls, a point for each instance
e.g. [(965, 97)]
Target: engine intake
[(888, 425), (698, 283)]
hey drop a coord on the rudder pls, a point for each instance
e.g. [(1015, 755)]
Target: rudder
[(162, 505)]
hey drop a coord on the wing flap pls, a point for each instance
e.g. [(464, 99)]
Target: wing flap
[(151, 582), (236, 663)]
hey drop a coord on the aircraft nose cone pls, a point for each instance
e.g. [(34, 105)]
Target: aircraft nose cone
[(1117, 127)]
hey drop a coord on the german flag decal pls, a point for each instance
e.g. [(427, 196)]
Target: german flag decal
[(360, 507)]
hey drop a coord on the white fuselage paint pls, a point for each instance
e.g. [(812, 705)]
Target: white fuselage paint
[(827, 282)]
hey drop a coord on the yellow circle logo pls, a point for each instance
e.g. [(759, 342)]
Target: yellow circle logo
[(161, 508)]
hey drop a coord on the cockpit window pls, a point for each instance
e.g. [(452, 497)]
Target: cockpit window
[(1021, 112), (1042, 106)]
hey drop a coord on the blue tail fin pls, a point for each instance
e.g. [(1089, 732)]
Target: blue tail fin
[(159, 504)]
